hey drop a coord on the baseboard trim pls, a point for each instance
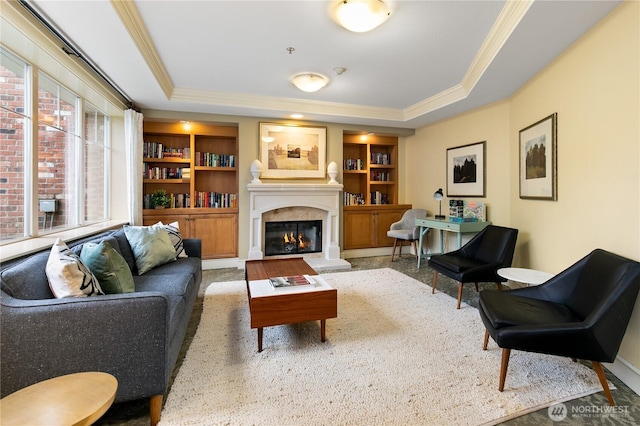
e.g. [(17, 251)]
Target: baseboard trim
[(233, 262), (626, 372), (368, 252)]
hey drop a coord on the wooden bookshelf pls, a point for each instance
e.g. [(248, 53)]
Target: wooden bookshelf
[(196, 164), (370, 197)]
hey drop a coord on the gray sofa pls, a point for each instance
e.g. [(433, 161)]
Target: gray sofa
[(134, 336)]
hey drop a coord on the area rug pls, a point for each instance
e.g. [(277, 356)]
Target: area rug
[(396, 355)]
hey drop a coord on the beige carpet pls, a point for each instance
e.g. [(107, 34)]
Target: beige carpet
[(396, 355)]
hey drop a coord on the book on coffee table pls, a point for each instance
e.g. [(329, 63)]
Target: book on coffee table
[(291, 281)]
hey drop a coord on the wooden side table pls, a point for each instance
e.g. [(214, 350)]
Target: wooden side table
[(74, 399)]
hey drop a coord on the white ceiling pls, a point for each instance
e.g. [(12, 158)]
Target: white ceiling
[(430, 60)]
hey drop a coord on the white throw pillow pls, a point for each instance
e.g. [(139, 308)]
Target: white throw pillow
[(173, 229), (67, 275)]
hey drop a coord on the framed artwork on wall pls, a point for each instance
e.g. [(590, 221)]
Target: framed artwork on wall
[(466, 170), (292, 152), (538, 160)]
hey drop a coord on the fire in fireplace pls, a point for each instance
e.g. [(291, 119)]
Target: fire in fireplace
[(292, 237)]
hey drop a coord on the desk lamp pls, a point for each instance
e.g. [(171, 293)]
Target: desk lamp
[(438, 196)]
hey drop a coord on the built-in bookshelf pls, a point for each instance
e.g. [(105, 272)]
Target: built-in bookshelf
[(369, 169), (370, 196), (196, 164)]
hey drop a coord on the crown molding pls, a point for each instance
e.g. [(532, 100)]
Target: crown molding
[(132, 21), (509, 18), (242, 100)]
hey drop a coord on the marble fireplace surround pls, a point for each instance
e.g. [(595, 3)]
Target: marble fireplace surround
[(297, 201)]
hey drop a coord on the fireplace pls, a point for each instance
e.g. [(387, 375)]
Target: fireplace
[(292, 237), (268, 202)]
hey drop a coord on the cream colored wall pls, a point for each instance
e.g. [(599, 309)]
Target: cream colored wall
[(594, 86), (425, 162)]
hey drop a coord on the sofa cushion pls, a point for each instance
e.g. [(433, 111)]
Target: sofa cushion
[(109, 267), (170, 284), (151, 246), (68, 276)]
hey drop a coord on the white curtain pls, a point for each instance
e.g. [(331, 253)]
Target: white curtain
[(133, 145)]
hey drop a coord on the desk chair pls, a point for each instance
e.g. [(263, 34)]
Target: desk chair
[(406, 230)]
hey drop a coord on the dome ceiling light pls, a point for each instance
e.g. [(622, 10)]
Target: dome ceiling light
[(309, 81), (360, 15)]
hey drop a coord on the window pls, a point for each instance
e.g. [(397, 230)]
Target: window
[(58, 155), (71, 149), (15, 119), (96, 164)]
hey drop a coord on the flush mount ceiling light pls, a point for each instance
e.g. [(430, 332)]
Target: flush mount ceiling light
[(360, 15), (309, 81)]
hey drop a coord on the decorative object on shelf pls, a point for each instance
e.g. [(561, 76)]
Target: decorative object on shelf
[(309, 81), (160, 199), (256, 171), (438, 195), (296, 152), (360, 15), (474, 211), (332, 171), (456, 210), (538, 160), (466, 170)]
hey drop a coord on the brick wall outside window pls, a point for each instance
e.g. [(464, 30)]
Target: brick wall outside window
[(58, 172)]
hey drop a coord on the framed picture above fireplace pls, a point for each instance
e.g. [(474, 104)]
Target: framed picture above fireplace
[(292, 151)]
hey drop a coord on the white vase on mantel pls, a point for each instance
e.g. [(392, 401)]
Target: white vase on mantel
[(332, 171), (256, 171)]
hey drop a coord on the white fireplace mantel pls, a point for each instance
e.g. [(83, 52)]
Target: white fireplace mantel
[(265, 197)]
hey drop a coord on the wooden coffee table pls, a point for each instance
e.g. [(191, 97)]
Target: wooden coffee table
[(74, 399), (269, 306)]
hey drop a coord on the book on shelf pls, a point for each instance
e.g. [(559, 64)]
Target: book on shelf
[(291, 281)]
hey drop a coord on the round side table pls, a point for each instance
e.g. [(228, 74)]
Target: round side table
[(74, 399), (524, 275)]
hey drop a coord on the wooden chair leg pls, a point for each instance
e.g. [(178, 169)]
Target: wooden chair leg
[(415, 249), (486, 340), (459, 294), (603, 381), (393, 253), (476, 284), (503, 367), (499, 284), (155, 408), (435, 282)]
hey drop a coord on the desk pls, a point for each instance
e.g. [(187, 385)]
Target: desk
[(524, 275), (446, 225)]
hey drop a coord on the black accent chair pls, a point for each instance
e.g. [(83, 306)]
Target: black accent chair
[(478, 260), (581, 313)]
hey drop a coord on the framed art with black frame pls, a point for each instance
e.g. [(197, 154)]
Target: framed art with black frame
[(466, 170), (538, 160)]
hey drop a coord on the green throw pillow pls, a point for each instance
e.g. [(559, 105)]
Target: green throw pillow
[(109, 267), (151, 246)]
